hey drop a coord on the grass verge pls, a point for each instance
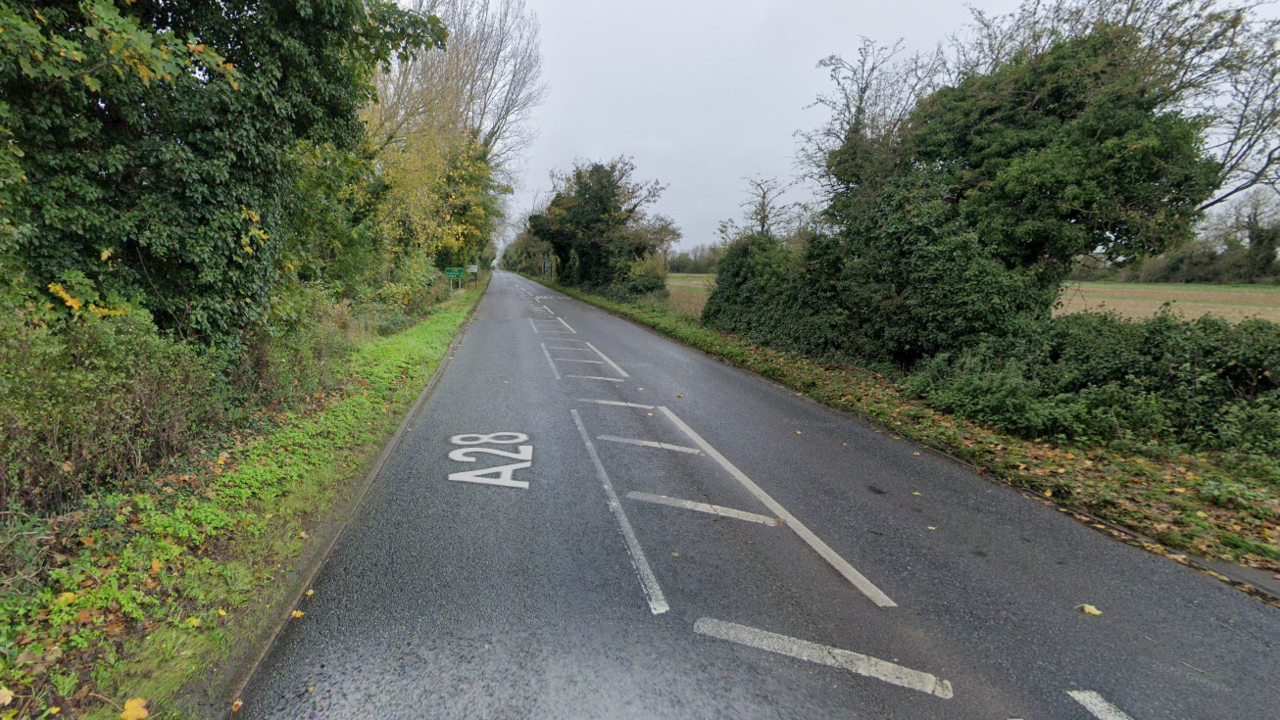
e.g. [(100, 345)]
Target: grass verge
[(149, 590), (1187, 503)]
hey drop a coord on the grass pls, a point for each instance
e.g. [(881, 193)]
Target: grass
[(1138, 300), (1208, 505), (143, 592)]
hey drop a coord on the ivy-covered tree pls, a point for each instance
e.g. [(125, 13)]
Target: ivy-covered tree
[(155, 142)]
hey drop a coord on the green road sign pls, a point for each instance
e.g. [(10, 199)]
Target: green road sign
[(454, 273)]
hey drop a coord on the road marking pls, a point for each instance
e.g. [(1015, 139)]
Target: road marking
[(594, 377), (702, 507), (553, 347), (549, 360), (593, 362), (648, 582), (567, 325), (855, 663), (649, 443), (1098, 705), (535, 326), (843, 567), (615, 402), (612, 364)]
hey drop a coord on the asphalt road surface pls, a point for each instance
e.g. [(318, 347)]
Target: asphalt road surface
[(668, 537)]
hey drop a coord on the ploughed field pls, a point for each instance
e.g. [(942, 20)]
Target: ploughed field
[(689, 292)]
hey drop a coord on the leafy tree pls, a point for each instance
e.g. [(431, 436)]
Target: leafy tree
[(158, 140)]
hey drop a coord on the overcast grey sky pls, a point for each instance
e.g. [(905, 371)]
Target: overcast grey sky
[(701, 93)]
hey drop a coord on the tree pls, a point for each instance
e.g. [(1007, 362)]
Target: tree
[(161, 174)]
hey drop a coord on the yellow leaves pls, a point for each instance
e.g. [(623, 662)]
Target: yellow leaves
[(57, 289), (6, 696), (54, 710), (196, 49), (236, 705), (303, 535), (106, 254), (156, 566), (222, 613), (298, 613), (134, 709), (192, 621), (104, 312), (310, 593), (66, 598), (1089, 610)]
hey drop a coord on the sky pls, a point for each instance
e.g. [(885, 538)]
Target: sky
[(703, 93)]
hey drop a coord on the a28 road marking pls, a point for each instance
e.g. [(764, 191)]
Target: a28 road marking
[(835, 657), (1098, 705), (702, 507), (857, 579), (648, 581)]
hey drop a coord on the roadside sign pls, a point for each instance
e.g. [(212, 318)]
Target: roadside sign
[(473, 269), (454, 274)]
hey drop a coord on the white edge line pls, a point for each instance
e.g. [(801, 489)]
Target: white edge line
[(649, 443), (1098, 705), (856, 663), (549, 360), (615, 402), (648, 582), (842, 566), (595, 377), (535, 327), (567, 325), (702, 507), (612, 364)]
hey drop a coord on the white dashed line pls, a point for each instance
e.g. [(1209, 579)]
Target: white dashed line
[(648, 582), (535, 325), (549, 360), (615, 402), (703, 507), (593, 362), (1098, 705), (595, 377), (567, 325), (854, 577), (855, 663), (649, 443), (612, 364)]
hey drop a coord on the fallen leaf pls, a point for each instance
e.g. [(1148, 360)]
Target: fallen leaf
[(679, 396), (932, 527), (1048, 493), (6, 696), (675, 554), (915, 493), (134, 709), (222, 613), (311, 689), (66, 598), (223, 457), (236, 705), (916, 454), (193, 621), (799, 433), (310, 593), (298, 613), (67, 467), (54, 710), (303, 535), (156, 566), (1090, 610)]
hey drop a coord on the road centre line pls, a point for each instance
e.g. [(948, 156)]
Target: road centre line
[(854, 577), (649, 443), (648, 582), (612, 364), (855, 663), (595, 377), (615, 402), (1098, 705), (549, 360), (567, 325), (703, 507)]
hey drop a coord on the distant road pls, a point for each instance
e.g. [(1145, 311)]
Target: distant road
[(588, 520)]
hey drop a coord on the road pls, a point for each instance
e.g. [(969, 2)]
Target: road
[(674, 538)]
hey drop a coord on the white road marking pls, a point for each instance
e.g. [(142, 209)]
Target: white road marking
[(549, 360), (535, 326), (553, 347), (615, 402), (593, 362), (702, 507), (840, 564), (594, 377), (648, 582), (649, 443), (503, 476), (855, 663), (567, 325), (1098, 705), (612, 364)]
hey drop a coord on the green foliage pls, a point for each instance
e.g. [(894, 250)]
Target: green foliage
[(701, 259), (161, 172), (966, 226), (1097, 377), (597, 231)]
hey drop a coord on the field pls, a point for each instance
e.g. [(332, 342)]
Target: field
[(1235, 302), (689, 293)]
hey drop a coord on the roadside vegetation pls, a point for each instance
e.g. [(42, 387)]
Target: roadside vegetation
[(961, 190), (222, 230)]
